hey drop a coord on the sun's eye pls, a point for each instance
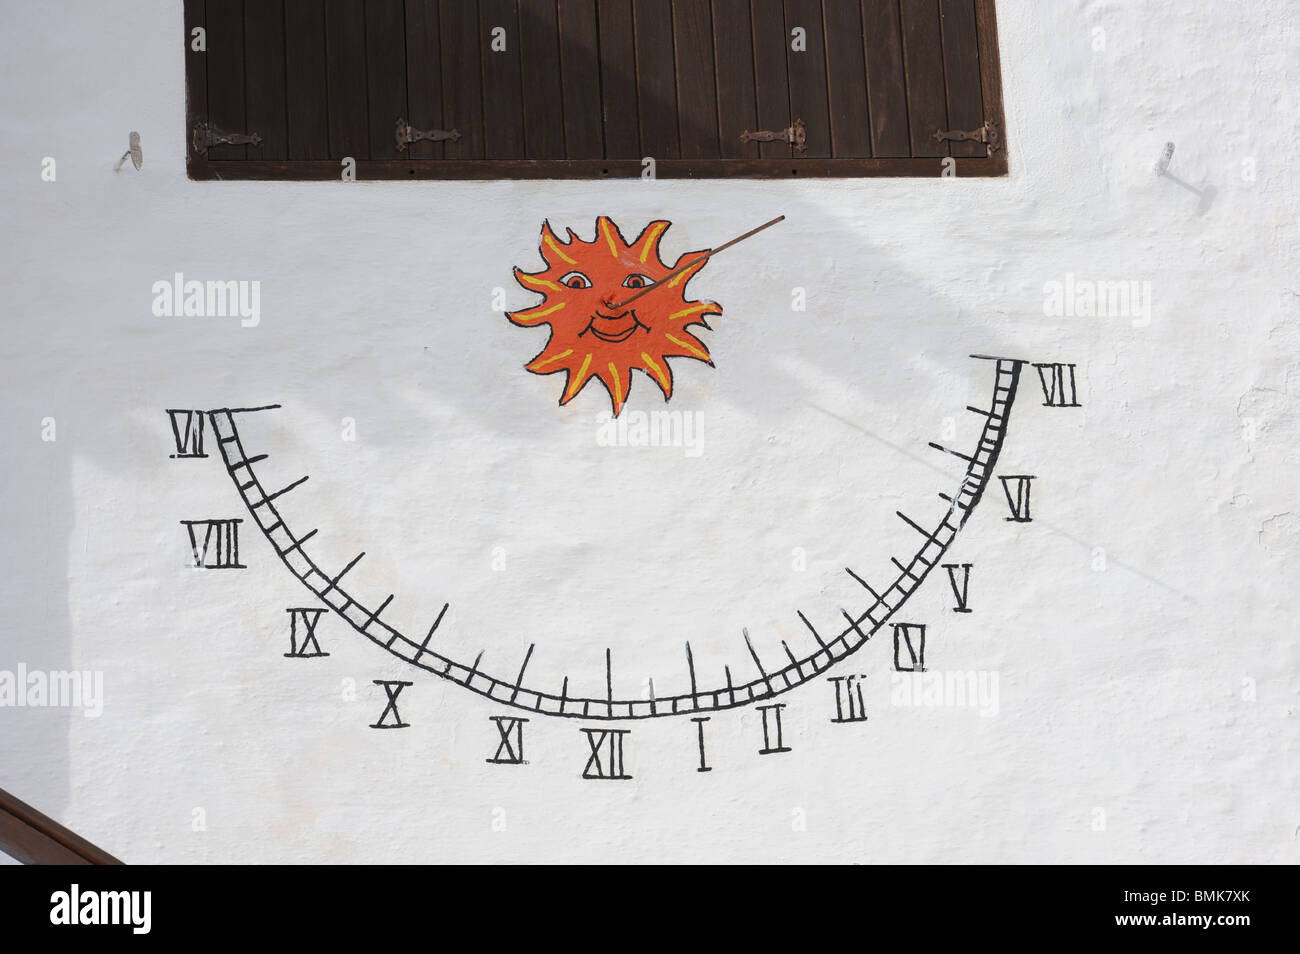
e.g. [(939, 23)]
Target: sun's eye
[(637, 281), (576, 280)]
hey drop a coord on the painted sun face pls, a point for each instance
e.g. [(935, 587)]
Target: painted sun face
[(595, 332)]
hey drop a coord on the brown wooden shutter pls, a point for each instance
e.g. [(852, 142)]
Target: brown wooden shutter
[(585, 89)]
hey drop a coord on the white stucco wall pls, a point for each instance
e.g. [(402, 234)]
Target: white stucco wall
[(1147, 711)]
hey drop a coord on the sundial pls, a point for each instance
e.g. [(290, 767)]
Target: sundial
[(625, 327)]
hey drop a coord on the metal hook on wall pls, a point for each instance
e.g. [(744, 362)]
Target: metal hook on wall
[(133, 152), (1206, 194), (1162, 164)]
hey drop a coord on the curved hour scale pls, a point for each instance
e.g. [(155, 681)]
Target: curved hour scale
[(771, 682)]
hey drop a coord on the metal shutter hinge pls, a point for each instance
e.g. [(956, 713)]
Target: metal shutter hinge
[(206, 136), (406, 134), (796, 134), (987, 134)]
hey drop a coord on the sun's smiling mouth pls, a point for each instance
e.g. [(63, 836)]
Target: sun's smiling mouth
[(614, 328)]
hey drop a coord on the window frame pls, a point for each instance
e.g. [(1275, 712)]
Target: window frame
[(201, 167)]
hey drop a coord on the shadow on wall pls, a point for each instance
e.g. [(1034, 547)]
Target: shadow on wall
[(37, 508)]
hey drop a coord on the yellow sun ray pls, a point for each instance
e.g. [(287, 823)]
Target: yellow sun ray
[(535, 314), (535, 283), (609, 235), (651, 240), (534, 365), (698, 306), (687, 274), (554, 246), (616, 392), (664, 384), (576, 381), (702, 355)]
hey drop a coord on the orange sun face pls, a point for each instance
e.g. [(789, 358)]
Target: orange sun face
[(595, 332)]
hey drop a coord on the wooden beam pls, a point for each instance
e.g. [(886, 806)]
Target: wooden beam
[(925, 168), (36, 839)]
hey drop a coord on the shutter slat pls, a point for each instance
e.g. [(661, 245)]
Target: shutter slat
[(423, 75), (847, 73), (927, 105), (886, 82), (961, 70), (808, 94), (697, 100), (385, 74), (733, 52), (264, 52), (503, 95), (462, 101), (196, 74), (771, 41), (225, 63), (655, 75), (345, 70), (580, 79), (539, 47), (618, 80), (307, 105)]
